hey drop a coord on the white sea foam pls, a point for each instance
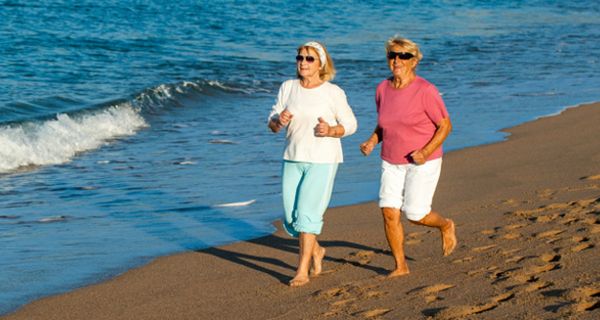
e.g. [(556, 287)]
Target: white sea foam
[(52, 219), (59, 140), (235, 204), (183, 163), (222, 141)]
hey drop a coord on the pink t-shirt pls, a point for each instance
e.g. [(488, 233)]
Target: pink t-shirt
[(408, 117)]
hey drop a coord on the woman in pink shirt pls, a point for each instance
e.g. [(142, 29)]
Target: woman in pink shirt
[(412, 124)]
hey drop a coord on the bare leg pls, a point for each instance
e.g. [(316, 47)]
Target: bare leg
[(395, 237), (307, 243), (446, 227), (317, 258)]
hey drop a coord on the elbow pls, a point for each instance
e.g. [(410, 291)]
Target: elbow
[(445, 126)]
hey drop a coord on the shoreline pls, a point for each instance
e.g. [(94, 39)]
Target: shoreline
[(251, 274)]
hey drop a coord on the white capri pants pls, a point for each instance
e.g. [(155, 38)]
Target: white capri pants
[(409, 187)]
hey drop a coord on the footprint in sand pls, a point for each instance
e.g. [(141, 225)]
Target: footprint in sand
[(531, 273), (512, 258), (584, 299), (592, 177), (515, 259), (550, 257), (490, 231), (509, 202), (414, 237), (515, 226), (372, 313), (548, 217), (330, 293), (483, 270), (570, 221), (535, 286), (546, 193), (549, 233), (430, 293), (592, 221), (342, 303), (465, 259), (543, 268), (503, 275), (557, 206), (581, 247), (459, 312), (484, 248), (362, 257), (345, 299), (512, 236), (510, 251), (583, 243)]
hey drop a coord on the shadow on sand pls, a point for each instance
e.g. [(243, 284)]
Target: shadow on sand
[(290, 245)]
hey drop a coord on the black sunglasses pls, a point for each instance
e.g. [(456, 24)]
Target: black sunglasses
[(309, 59), (401, 55)]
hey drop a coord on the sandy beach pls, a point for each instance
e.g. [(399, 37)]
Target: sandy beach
[(527, 212)]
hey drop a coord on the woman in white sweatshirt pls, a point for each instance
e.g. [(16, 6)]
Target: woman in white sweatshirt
[(316, 115)]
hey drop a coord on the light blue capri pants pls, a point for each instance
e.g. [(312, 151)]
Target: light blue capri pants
[(306, 190)]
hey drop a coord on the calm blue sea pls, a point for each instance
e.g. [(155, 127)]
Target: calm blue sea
[(134, 129)]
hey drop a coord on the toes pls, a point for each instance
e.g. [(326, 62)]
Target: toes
[(398, 273), (297, 282)]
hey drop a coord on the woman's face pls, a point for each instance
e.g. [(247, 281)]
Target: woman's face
[(306, 68), (399, 66)]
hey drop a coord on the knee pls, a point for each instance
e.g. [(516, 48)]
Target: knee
[(390, 215)]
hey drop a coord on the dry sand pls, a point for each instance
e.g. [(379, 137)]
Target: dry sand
[(527, 212)]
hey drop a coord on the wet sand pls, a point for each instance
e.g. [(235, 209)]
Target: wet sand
[(527, 213)]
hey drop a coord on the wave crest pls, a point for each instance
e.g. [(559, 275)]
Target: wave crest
[(58, 140)]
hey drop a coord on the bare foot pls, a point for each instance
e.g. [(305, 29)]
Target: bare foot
[(398, 273), (299, 281), (449, 238), (401, 269), (317, 266)]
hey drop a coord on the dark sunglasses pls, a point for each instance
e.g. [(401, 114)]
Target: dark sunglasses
[(309, 59), (401, 55)]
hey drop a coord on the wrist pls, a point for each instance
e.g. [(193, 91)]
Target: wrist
[(332, 132)]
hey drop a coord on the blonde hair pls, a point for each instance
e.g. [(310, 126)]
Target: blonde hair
[(327, 73), (406, 45)]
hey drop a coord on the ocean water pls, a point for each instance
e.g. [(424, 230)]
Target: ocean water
[(134, 129)]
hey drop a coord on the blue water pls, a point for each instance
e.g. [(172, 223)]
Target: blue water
[(124, 125)]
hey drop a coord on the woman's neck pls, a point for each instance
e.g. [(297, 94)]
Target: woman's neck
[(311, 82), (403, 81)]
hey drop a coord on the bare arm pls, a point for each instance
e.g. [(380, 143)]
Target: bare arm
[(274, 125), (441, 133), (280, 121), (376, 137)]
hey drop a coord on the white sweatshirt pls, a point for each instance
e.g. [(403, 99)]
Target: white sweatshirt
[(327, 101)]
